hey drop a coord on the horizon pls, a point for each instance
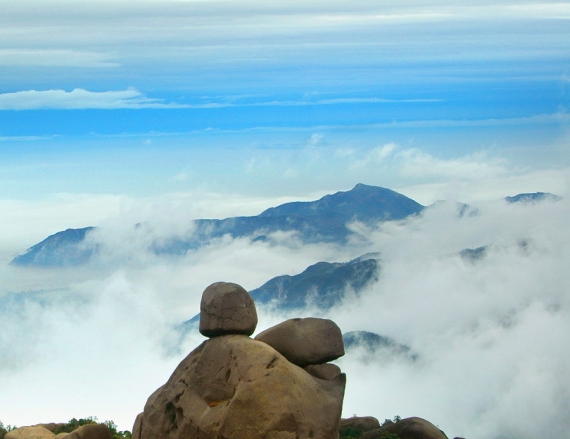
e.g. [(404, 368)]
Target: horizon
[(117, 113)]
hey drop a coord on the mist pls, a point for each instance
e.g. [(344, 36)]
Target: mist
[(488, 335)]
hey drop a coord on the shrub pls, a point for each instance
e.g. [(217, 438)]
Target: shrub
[(5, 429), (117, 434), (349, 433)]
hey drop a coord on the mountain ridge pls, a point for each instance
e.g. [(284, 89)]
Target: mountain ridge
[(322, 220)]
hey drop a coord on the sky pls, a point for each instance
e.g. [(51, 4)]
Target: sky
[(113, 113)]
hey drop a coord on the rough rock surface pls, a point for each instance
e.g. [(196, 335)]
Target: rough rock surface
[(233, 387), (360, 423), (305, 341), (34, 432), (227, 308), (408, 428)]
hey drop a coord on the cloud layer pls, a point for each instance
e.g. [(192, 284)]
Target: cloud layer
[(489, 334)]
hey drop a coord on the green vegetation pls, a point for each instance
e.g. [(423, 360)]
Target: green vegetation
[(5, 429), (73, 424), (117, 434), (349, 433)]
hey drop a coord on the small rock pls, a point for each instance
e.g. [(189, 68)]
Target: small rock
[(227, 308), (305, 341)]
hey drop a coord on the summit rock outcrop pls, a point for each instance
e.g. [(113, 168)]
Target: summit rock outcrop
[(234, 387)]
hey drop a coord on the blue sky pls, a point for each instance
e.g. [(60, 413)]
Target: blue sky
[(263, 103)]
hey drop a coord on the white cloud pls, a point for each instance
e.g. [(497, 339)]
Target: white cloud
[(490, 335), (419, 164), (200, 38), (373, 158), (79, 99)]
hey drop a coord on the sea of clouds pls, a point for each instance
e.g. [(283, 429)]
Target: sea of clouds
[(489, 335)]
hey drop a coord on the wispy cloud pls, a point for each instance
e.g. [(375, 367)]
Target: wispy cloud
[(132, 98), (79, 99), (55, 58)]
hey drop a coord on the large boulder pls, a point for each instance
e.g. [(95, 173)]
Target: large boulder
[(227, 308), (233, 387), (305, 341), (408, 428), (34, 432)]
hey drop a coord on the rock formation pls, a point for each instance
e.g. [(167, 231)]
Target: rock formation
[(227, 308), (233, 387), (305, 341)]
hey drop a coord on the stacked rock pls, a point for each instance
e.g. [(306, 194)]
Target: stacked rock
[(309, 343), (233, 387), (227, 308)]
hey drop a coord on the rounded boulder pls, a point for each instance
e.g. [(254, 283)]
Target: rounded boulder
[(227, 308), (305, 341)]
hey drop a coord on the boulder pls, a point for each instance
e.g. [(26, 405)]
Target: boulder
[(88, 431), (233, 387), (227, 308), (34, 432), (408, 428), (305, 341), (360, 423), (325, 371)]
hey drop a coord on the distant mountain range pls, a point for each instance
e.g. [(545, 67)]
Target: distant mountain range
[(323, 220)]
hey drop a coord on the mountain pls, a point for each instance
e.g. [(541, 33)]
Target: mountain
[(374, 344), (323, 220), (532, 197), (321, 285), (62, 248)]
